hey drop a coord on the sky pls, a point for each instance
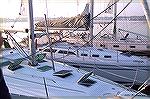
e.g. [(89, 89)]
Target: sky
[(66, 8)]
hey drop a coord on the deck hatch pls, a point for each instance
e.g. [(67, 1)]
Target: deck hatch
[(85, 81), (15, 65), (63, 73)]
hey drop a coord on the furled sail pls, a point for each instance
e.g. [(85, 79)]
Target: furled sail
[(82, 21)]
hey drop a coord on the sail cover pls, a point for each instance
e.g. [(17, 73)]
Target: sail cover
[(79, 21)]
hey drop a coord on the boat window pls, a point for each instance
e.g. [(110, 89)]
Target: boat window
[(94, 55), (132, 46), (107, 56), (84, 54), (100, 49), (71, 53), (63, 52), (101, 45), (48, 50), (63, 73), (126, 54), (40, 49), (66, 52), (138, 61), (76, 46), (85, 81), (115, 45)]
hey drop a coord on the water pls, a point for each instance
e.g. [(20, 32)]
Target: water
[(139, 27)]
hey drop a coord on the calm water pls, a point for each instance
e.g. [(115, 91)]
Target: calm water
[(139, 27)]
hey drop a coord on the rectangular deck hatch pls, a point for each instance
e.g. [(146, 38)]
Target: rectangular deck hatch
[(84, 80), (63, 73), (15, 65)]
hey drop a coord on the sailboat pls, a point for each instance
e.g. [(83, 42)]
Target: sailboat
[(137, 43), (27, 80), (118, 38), (115, 65), (41, 78)]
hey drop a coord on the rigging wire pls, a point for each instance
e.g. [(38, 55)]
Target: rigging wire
[(92, 18), (110, 22), (142, 87), (99, 32), (105, 26), (134, 80), (19, 14), (49, 36), (18, 47), (50, 42), (97, 16)]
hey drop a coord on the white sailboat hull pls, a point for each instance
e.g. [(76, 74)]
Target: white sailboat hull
[(115, 66), (137, 46), (125, 73), (29, 81)]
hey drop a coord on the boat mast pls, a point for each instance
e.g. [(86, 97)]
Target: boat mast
[(31, 35), (115, 20), (147, 13), (91, 21)]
